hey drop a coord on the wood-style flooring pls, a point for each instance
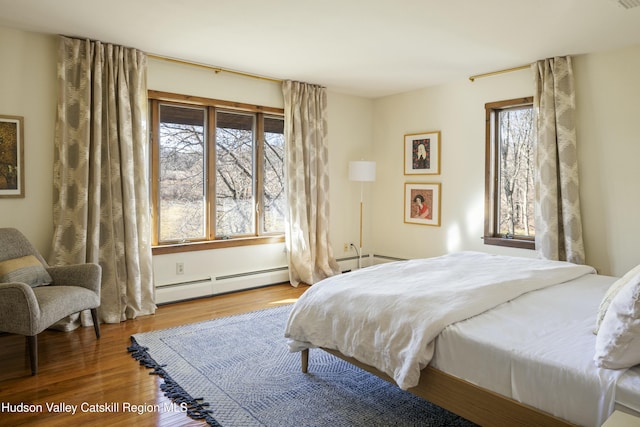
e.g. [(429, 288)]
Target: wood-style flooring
[(77, 369)]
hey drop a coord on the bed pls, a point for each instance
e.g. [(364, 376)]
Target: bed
[(498, 340)]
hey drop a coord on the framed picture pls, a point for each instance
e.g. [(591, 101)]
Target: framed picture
[(11, 156), (422, 153), (422, 203)]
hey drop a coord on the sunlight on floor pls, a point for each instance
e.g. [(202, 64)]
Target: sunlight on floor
[(284, 301)]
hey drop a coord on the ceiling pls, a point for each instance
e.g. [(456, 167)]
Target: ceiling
[(368, 48)]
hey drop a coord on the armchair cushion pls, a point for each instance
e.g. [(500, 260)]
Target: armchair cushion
[(26, 269), (57, 302)]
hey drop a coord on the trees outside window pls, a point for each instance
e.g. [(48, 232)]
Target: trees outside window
[(273, 188), (234, 174), (181, 206)]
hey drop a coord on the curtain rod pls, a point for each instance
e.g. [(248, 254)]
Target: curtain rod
[(215, 69), (493, 73)]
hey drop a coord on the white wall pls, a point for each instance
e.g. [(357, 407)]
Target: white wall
[(608, 129), (27, 89), (457, 111), (187, 79), (608, 90), (608, 104), (350, 138)]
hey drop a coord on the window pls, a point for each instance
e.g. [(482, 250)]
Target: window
[(510, 172), (217, 171)]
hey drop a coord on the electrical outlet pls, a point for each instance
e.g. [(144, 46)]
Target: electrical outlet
[(179, 268)]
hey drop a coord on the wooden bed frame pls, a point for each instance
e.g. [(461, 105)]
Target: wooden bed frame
[(463, 398)]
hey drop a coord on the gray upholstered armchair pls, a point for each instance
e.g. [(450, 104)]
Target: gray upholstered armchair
[(34, 296)]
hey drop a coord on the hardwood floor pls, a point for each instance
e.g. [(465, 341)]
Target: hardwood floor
[(77, 369)]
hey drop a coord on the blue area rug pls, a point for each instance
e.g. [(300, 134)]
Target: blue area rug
[(238, 371)]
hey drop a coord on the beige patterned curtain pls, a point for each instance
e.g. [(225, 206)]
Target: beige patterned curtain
[(307, 170), (101, 202), (558, 220)]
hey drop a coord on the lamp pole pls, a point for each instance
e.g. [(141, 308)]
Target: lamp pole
[(362, 171)]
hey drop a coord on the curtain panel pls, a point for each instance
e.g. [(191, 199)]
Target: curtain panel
[(101, 200), (309, 250), (557, 207)]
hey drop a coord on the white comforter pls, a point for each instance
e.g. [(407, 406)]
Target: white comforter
[(387, 316)]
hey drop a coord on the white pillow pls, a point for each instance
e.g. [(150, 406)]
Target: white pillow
[(618, 340), (612, 292)]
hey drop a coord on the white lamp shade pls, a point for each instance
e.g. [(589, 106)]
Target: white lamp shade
[(362, 171)]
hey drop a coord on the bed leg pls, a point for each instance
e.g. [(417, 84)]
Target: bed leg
[(305, 360)]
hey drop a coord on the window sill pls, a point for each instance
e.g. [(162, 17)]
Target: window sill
[(513, 243), (215, 244)]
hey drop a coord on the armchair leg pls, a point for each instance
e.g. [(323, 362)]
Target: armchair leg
[(96, 323), (33, 353)]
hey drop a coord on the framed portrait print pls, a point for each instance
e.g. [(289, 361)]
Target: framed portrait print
[(422, 203), (11, 156), (422, 153)]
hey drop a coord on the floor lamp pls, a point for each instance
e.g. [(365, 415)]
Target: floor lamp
[(362, 171)]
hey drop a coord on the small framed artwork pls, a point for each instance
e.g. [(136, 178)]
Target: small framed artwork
[(422, 203), (11, 156), (422, 153)]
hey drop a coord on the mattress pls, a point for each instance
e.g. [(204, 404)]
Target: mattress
[(538, 349), (389, 315)]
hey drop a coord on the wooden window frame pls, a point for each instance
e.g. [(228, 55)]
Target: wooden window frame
[(211, 242), (491, 236)]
